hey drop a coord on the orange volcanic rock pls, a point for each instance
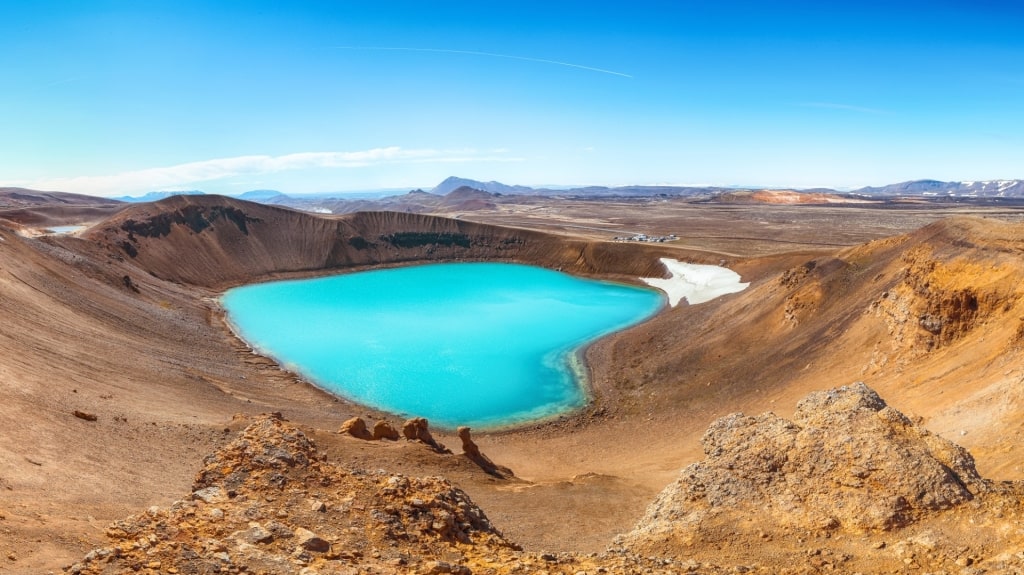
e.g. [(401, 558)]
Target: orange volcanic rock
[(846, 462), (384, 430), (356, 427)]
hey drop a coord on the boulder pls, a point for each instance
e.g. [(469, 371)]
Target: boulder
[(355, 427), (845, 461), (311, 541), (384, 430)]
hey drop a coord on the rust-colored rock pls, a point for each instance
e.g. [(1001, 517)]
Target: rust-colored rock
[(472, 451), (85, 415), (468, 447), (384, 430), (418, 429), (411, 428), (355, 427), (845, 461)]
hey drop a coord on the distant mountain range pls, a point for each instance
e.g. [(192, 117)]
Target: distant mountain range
[(922, 188), (156, 196), (980, 189), (264, 196), (916, 188), (453, 183)]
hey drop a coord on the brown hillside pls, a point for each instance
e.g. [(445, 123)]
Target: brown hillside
[(932, 317), (33, 208), (121, 326), (232, 241), (21, 197)]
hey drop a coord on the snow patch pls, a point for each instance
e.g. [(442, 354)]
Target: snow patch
[(695, 282)]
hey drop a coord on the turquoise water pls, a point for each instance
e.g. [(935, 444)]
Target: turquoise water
[(480, 344)]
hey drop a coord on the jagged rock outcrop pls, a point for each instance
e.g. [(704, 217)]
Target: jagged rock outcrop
[(936, 302), (468, 446), (849, 484), (418, 429), (473, 453), (846, 461)]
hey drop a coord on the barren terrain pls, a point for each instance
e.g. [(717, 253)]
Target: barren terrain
[(119, 375)]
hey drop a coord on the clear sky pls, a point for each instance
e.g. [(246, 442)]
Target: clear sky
[(125, 96)]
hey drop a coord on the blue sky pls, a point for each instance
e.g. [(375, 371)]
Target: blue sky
[(124, 97)]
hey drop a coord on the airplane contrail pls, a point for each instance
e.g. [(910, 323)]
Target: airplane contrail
[(490, 54)]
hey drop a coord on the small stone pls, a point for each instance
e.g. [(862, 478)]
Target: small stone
[(254, 534), (438, 567), (311, 541), (318, 506), (280, 530), (86, 416), (208, 494)]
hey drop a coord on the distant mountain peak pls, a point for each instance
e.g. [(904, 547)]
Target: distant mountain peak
[(155, 196), (261, 195), (453, 183), (965, 189)]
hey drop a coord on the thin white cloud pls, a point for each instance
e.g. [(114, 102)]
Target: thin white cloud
[(193, 173), (487, 54), (846, 107)]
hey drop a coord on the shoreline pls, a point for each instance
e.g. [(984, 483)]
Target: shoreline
[(572, 361)]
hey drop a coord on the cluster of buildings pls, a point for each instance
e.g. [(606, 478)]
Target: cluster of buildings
[(647, 238)]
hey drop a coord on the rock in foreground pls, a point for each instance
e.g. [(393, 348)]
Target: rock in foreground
[(268, 503), (847, 464), (849, 485)]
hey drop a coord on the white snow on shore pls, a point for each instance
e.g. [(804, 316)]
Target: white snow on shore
[(695, 282)]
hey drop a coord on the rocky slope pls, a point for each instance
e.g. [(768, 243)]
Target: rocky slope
[(269, 502), (850, 484)]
